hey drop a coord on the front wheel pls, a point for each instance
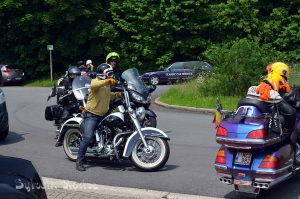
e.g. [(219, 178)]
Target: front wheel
[(71, 143), (153, 159)]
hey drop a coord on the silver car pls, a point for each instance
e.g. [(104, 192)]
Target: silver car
[(10, 73)]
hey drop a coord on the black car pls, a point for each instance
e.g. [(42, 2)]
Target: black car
[(20, 179), (4, 126), (178, 71)]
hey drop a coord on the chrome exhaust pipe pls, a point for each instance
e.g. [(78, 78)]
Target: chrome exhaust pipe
[(261, 185), (226, 180)]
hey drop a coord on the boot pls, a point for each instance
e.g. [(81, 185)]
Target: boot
[(80, 166), (57, 144)]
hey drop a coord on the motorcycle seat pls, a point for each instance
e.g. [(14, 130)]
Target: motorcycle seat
[(263, 107)]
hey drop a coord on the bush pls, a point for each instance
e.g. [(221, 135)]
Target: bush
[(238, 65)]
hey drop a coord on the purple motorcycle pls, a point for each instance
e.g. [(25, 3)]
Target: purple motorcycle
[(253, 156)]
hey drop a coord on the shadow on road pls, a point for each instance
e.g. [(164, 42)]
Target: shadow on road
[(287, 189), (13, 137), (125, 165)]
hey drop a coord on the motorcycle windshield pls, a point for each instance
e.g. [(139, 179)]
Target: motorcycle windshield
[(134, 82), (80, 86)]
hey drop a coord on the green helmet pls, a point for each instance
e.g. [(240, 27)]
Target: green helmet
[(112, 56)]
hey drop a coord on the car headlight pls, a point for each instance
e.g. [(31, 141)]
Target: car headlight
[(140, 113)]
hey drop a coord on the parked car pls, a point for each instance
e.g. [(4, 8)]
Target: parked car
[(178, 71), (4, 126), (10, 73), (20, 179)]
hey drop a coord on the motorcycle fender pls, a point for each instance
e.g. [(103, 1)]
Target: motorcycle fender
[(147, 131), (74, 122), (150, 113)]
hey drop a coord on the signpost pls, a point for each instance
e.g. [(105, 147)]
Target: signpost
[(50, 48)]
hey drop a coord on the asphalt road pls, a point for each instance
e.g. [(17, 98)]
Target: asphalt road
[(189, 169)]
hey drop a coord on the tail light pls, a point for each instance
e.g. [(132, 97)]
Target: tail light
[(7, 71), (269, 162), (222, 131), (258, 134), (221, 158)]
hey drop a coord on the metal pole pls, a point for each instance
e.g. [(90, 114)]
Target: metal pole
[(51, 65)]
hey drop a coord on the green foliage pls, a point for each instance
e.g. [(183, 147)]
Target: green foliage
[(238, 65), (147, 34)]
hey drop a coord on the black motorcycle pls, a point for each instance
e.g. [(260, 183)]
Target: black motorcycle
[(120, 135)]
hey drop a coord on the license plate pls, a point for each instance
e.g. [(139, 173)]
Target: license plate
[(243, 158), (18, 78)]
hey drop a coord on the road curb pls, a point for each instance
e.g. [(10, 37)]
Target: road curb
[(184, 108), (117, 192)]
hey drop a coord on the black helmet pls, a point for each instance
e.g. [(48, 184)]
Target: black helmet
[(105, 68), (73, 70)]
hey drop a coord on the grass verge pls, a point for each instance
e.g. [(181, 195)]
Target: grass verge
[(43, 82), (187, 94)]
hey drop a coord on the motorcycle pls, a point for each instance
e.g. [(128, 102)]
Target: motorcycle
[(55, 112), (120, 134), (255, 152)]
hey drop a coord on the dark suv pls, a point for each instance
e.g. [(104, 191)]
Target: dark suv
[(178, 71)]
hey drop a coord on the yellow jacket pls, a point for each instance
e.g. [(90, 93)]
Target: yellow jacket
[(99, 97)]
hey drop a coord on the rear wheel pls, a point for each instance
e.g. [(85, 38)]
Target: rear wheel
[(154, 80), (151, 160), (4, 134), (71, 143)]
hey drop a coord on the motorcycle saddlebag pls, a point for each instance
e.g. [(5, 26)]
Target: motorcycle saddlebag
[(53, 112)]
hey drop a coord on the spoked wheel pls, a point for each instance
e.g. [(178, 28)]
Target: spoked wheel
[(154, 80), (71, 143), (150, 122), (152, 159)]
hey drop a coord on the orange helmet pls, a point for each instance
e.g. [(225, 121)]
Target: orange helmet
[(279, 68)]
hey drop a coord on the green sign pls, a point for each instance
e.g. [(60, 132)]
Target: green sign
[(49, 47)]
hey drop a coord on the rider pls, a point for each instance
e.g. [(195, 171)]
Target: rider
[(113, 59), (67, 102), (96, 108), (276, 80), (89, 66)]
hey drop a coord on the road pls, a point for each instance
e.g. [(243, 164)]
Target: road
[(189, 169)]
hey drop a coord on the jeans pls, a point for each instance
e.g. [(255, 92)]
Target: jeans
[(90, 123)]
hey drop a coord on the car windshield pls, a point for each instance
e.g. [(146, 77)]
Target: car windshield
[(80, 86), (134, 82), (11, 66)]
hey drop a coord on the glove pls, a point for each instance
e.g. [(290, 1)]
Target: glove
[(120, 95), (112, 81), (264, 91)]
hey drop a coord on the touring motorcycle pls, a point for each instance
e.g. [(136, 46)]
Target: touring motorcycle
[(120, 134), (256, 153)]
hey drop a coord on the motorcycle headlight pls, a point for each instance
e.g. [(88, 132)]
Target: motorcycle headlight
[(138, 98), (140, 113)]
